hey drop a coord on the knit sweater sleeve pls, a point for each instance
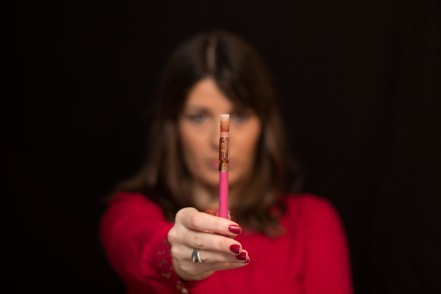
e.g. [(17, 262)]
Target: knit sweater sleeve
[(133, 232)]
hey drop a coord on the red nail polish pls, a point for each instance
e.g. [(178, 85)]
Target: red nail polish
[(242, 256), (235, 229), (235, 248)]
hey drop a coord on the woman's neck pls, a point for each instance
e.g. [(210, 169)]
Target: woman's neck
[(207, 197), (204, 197)]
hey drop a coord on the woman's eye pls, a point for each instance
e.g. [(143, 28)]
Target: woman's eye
[(196, 118), (239, 117)]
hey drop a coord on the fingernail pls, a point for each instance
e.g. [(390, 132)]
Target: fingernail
[(242, 256), (235, 248), (235, 229)]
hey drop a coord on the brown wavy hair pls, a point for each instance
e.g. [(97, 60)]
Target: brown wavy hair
[(241, 75)]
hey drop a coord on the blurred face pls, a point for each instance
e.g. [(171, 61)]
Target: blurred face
[(199, 133)]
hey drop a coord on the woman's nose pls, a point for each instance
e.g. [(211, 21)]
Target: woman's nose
[(214, 140)]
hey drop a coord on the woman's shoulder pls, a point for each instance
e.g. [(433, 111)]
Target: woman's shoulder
[(308, 206), (307, 200), (122, 196), (133, 202)]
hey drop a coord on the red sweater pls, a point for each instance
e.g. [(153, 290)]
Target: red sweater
[(311, 258)]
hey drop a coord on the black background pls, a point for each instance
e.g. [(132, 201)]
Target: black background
[(359, 85)]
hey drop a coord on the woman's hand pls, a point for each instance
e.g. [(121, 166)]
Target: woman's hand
[(213, 236)]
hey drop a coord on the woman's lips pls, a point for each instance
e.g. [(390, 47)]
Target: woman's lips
[(214, 163)]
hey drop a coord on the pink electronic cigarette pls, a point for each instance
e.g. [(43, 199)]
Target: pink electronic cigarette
[(224, 164)]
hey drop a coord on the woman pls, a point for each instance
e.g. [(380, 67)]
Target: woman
[(161, 232)]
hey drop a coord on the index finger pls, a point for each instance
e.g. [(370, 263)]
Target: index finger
[(200, 221)]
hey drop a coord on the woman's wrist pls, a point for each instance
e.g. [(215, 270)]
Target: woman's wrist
[(166, 269)]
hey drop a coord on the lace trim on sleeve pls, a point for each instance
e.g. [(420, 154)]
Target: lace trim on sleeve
[(165, 266)]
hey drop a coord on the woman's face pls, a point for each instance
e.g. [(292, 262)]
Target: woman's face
[(199, 133)]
